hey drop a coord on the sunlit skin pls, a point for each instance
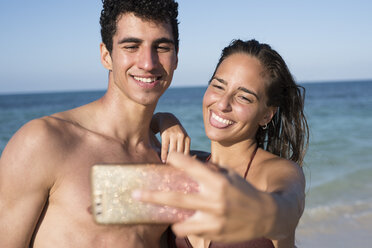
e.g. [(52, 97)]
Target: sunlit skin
[(236, 94), (271, 202), (45, 194), (234, 104), (142, 51)]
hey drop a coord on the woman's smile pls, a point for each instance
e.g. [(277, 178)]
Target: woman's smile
[(219, 122)]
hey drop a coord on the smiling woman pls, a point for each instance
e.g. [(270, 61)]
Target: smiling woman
[(234, 104), (253, 115), (253, 80)]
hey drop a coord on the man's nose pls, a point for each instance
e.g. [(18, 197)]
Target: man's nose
[(148, 59)]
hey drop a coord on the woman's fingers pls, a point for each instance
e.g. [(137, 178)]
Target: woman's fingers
[(187, 145), (180, 143), (174, 137), (212, 188), (172, 146), (191, 201), (176, 142), (205, 222), (164, 148), (200, 224), (194, 168)]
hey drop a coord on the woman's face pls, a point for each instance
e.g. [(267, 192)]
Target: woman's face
[(234, 105)]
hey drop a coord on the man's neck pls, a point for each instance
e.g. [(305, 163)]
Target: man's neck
[(121, 119)]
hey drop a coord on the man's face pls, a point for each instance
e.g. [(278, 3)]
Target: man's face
[(143, 58)]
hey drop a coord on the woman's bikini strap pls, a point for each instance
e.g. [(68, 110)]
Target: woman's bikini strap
[(249, 164)]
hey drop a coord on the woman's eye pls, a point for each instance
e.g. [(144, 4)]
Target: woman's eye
[(217, 86), (245, 99)]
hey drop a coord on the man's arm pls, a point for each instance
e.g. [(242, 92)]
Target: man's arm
[(25, 180)]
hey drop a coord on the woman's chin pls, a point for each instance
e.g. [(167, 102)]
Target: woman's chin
[(213, 136)]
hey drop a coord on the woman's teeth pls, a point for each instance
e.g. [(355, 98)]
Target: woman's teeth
[(219, 119)]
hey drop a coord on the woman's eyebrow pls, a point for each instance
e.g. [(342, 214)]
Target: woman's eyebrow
[(249, 92), (222, 81)]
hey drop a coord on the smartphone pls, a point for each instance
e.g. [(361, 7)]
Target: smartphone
[(112, 187)]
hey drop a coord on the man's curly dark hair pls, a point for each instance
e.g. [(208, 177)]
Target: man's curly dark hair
[(153, 10)]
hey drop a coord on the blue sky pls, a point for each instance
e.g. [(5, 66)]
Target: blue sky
[(54, 45)]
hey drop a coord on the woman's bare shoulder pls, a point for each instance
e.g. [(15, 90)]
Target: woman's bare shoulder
[(272, 171), (269, 161)]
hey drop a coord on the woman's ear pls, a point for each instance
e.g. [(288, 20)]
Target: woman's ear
[(271, 111), (105, 57)]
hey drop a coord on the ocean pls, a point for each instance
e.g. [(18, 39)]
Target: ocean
[(338, 165)]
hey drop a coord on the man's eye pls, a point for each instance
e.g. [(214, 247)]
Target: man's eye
[(131, 48), (163, 48)]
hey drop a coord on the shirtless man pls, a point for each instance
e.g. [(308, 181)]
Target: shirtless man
[(45, 168)]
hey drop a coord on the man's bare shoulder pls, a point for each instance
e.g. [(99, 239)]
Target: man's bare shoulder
[(28, 155), (38, 141), (40, 132)]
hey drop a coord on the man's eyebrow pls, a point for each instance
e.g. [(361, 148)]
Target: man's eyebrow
[(137, 40), (129, 40), (240, 88), (164, 40)]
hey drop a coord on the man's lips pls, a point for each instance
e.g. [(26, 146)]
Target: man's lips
[(147, 82), (146, 79)]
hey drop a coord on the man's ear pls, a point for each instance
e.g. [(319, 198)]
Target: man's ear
[(105, 57), (268, 116), (176, 63)]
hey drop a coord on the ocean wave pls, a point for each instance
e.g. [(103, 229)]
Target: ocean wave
[(353, 210)]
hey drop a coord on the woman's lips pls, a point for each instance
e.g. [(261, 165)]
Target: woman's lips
[(219, 122)]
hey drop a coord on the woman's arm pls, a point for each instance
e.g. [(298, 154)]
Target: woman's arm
[(229, 209), (285, 182), (173, 136)]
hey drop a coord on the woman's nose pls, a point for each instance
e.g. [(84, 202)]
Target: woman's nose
[(224, 104)]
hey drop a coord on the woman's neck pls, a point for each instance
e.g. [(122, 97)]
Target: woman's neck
[(235, 156)]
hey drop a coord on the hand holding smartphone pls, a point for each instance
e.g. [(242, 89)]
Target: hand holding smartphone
[(112, 187)]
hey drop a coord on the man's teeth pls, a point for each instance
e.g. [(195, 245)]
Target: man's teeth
[(219, 119), (145, 80)]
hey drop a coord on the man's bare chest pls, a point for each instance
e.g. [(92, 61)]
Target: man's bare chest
[(73, 184), (70, 198)]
